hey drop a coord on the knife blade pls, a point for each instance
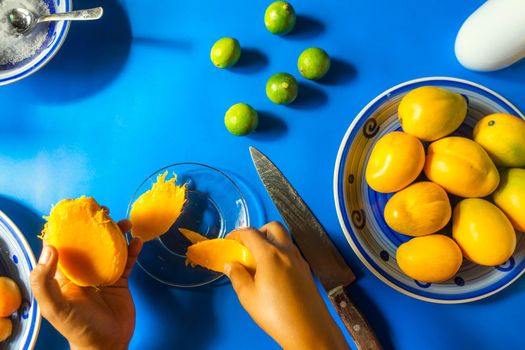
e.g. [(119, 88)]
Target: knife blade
[(313, 241)]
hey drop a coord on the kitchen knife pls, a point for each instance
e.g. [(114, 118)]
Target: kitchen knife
[(313, 241)]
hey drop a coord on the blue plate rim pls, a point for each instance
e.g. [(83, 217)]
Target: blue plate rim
[(339, 196), (29, 255)]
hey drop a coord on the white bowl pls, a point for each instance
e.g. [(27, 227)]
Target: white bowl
[(360, 209), (16, 262), (55, 37)]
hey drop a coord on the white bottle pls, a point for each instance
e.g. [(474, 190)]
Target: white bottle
[(493, 37)]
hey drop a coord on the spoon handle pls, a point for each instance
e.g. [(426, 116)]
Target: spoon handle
[(80, 15)]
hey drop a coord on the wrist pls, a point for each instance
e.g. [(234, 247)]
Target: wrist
[(322, 338)]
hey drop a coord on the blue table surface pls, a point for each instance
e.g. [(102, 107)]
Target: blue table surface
[(136, 91)]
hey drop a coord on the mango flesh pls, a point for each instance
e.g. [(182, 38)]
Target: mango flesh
[(430, 112), (157, 209), (483, 232), (420, 209), (192, 236), (510, 196), (433, 258), (6, 328), (395, 162), (213, 254), (10, 297), (91, 247), (461, 167), (503, 137)]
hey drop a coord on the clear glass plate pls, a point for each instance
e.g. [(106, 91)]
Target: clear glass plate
[(215, 206)]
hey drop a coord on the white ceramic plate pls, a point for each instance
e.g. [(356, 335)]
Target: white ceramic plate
[(360, 209), (16, 262)]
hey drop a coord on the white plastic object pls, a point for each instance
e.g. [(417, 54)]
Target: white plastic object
[(493, 37)]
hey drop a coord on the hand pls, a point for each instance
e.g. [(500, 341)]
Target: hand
[(88, 318), (281, 296)]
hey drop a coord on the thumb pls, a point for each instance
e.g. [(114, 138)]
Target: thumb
[(45, 287), (241, 279)]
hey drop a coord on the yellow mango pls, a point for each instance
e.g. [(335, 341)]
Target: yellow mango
[(157, 209), (420, 209), (510, 196), (395, 162), (192, 236), (431, 113), (11, 297), (432, 258), (91, 248), (6, 328), (483, 232), (503, 137), (461, 167), (213, 254)]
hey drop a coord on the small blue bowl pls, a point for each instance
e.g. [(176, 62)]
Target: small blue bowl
[(54, 39), (360, 209), (16, 262)]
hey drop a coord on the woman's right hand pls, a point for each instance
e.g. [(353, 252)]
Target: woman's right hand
[(281, 296)]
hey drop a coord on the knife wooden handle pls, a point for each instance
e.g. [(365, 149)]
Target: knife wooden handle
[(359, 329)]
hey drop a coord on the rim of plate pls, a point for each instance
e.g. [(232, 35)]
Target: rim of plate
[(151, 176), (35, 67), (28, 252), (339, 201)]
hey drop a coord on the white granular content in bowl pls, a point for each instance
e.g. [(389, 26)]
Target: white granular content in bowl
[(15, 47)]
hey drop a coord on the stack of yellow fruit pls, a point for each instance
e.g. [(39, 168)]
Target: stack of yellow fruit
[(482, 232)]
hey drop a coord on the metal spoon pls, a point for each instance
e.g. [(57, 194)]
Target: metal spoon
[(24, 20)]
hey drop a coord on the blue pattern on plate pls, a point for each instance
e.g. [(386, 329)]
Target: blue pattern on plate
[(507, 266), (384, 255), (369, 240), (423, 284), (459, 281)]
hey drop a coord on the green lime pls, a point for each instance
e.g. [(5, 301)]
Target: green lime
[(241, 119), (282, 88), (225, 52), (313, 63), (279, 18)]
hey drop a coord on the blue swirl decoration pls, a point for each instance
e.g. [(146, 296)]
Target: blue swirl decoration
[(358, 218), (15, 259), (370, 128), (506, 267), (423, 284)]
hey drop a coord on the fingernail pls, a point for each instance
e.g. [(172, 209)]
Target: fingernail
[(227, 269), (44, 256)]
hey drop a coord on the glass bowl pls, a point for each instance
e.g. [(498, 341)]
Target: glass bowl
[(56, 34), (360, 209), (215, 206), (16, 262)]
